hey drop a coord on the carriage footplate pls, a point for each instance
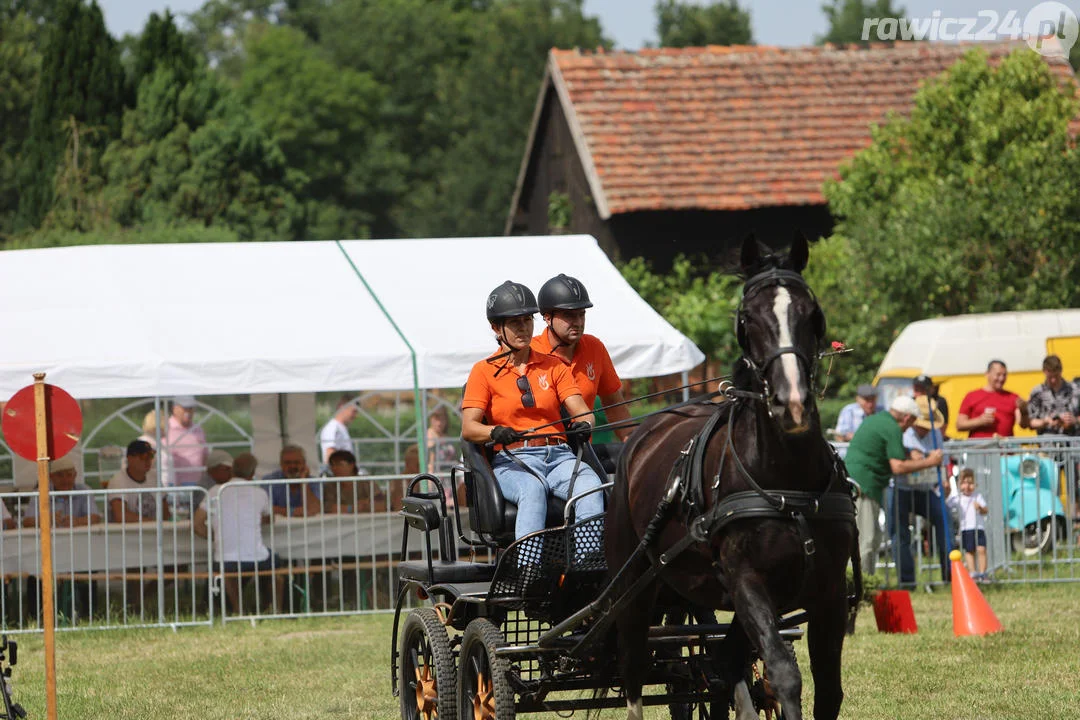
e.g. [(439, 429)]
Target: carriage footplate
[(552, 572)]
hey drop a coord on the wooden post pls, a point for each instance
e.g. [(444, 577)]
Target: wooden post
[(45, 526)]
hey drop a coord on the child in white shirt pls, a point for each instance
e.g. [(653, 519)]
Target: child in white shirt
[(972, 525)]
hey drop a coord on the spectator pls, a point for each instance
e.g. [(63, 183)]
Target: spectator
[(149, 434), (335, 433), (875, 454), (67, 510), (133, 507), (6, 516), (1055, 404), (186, 442), (343, 496), (992, 411), (562, 301), (919, 494), (441, 451), (923, 386), (241, 510), (852, 415), (973, 509), (297, 499)]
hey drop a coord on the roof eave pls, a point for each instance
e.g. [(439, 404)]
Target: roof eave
[(580, 142), (538, 109)]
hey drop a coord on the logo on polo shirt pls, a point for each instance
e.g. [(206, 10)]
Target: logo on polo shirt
[(542, 381), (589, 372)]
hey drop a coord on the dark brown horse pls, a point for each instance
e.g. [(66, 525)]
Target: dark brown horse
[(759, 517)]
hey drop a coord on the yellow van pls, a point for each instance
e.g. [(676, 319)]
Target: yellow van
[(954, 351)]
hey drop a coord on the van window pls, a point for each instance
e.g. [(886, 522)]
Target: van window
[(888, 388)]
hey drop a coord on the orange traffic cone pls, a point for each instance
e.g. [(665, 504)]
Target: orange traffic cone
[(971, 613)]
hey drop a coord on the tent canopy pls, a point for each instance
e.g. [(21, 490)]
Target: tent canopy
[(206, 319)]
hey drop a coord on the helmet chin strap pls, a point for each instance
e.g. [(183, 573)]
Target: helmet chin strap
[(563, 342)]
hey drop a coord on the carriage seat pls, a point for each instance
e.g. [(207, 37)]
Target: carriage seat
[(492, 516)]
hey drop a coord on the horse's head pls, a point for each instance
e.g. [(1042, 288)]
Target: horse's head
[(780, 328)]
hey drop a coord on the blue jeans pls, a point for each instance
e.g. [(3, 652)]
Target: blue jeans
[(902, 502), (554, 463)]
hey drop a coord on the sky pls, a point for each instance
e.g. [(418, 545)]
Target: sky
[(631, 22)]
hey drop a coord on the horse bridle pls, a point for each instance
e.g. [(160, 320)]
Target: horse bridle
[(772, 278)]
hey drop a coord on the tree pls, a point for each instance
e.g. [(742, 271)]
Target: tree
[(328, 122), (696, 299), (20, 63), (485, 109), (161, 44), (81, 78), (971, 204), (682, 24), (219, 26), (846, 19)]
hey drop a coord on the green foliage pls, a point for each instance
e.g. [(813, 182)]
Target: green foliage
[(327, 121), (20, 62), (846, 18), (144, 234), (972, 204), (560, 211), (696, 300), (161, 44), (485, 108), (81, 78), (682, 24)]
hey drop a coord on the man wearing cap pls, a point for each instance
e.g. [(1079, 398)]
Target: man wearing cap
[(852, 415), (918, 493), (923, 386), (875, 454), (68, 510), (135, 507), (185, 442)]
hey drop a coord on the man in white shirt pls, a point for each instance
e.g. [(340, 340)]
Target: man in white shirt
[(136, 507), (239, 511), (335, 434)]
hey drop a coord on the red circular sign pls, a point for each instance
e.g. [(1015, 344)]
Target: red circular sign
[(20, 428)]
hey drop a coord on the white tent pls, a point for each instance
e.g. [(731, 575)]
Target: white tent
[(224, 318)]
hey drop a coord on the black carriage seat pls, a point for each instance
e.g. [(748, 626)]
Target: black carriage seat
[(491, 516)]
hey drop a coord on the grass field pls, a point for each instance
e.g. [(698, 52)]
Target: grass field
[(338, 668)]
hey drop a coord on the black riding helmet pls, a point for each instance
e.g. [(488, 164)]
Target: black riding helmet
[(509, 300), (563, 292)]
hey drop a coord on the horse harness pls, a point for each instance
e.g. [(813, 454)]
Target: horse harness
[(702, 525)]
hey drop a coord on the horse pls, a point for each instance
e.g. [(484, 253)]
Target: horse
[(756, 515)]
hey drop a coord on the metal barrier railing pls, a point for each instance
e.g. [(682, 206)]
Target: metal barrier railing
[(192, 564), (1032, 525)]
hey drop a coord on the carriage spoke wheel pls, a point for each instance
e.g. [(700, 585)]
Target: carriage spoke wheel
[(484, 691), (428, 677)]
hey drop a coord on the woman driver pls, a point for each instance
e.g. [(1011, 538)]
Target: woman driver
[(517, 389)]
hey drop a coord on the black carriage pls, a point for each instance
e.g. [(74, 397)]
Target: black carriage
[(529, 631)]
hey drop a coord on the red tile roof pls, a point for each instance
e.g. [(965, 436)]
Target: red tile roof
[(733, 128)]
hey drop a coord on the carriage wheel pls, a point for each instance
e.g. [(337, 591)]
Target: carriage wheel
[(484, 691), (428, 677)]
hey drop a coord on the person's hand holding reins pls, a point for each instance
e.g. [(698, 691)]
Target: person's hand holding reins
[(502, 435), (581, 431)]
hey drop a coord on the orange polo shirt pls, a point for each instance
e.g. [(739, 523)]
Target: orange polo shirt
[(591, 366), (500, 398)]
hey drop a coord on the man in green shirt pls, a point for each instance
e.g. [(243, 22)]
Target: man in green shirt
[(875, 454)]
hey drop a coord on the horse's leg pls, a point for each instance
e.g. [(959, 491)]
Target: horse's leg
[(633, 628), (757, 614), (827, 625)]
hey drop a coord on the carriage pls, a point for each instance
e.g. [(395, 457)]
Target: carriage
[(547, 626)]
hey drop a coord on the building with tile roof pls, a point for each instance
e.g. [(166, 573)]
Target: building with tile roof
[(688, 149)]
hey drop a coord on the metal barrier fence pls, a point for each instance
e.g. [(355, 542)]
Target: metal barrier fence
[(180, 565), (1032, 524)]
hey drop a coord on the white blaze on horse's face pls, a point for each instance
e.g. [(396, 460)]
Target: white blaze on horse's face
[(789, 363)]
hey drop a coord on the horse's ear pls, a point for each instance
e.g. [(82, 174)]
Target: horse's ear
[(800, 252), (750, 257)]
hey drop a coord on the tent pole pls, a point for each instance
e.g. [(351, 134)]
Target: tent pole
[(160, 520), (417, 401)]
